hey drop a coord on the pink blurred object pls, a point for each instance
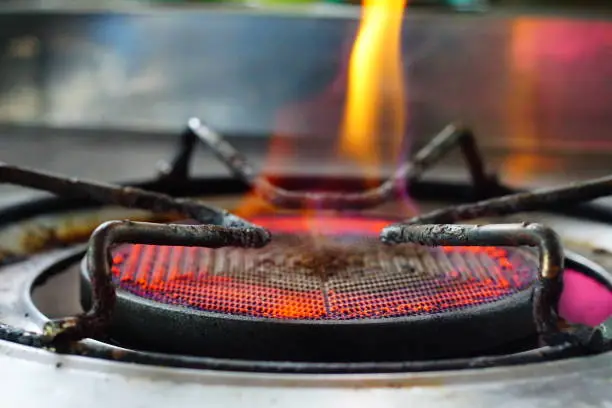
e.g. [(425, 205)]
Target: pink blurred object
[(584, 300)]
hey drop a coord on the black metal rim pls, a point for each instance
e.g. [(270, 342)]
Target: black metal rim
[(547, 354), (140, 323)]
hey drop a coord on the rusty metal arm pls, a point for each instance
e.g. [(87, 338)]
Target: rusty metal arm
[(449, 138), (537, 200), (548, 287), (99, 261), (130, 197)]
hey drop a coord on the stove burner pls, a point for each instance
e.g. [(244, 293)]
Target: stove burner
[(302, 276), (342, 273), (408, 332)]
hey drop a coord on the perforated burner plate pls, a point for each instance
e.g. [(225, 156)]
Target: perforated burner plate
[(323, 287), (324, 275)]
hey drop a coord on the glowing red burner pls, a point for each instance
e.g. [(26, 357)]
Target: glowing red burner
[(324, 268)]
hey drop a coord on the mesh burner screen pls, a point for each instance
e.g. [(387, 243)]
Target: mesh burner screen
[(335, 274)]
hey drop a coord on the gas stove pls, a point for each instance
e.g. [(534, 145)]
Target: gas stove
[(411, 292)]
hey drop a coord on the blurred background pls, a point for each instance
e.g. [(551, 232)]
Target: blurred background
[(101, 89)]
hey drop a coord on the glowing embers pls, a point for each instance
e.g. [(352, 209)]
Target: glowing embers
[(326, 268)]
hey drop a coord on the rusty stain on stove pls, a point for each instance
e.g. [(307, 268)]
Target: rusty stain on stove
[(601, 251), (66, 232), (8, 257), (118, 354), (403, 383), (325, 257)]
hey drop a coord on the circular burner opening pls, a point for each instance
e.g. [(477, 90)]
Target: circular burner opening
[(324, 289)]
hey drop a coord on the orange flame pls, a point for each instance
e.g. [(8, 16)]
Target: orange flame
[(374, 104), (375, 100), (525, 86)]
